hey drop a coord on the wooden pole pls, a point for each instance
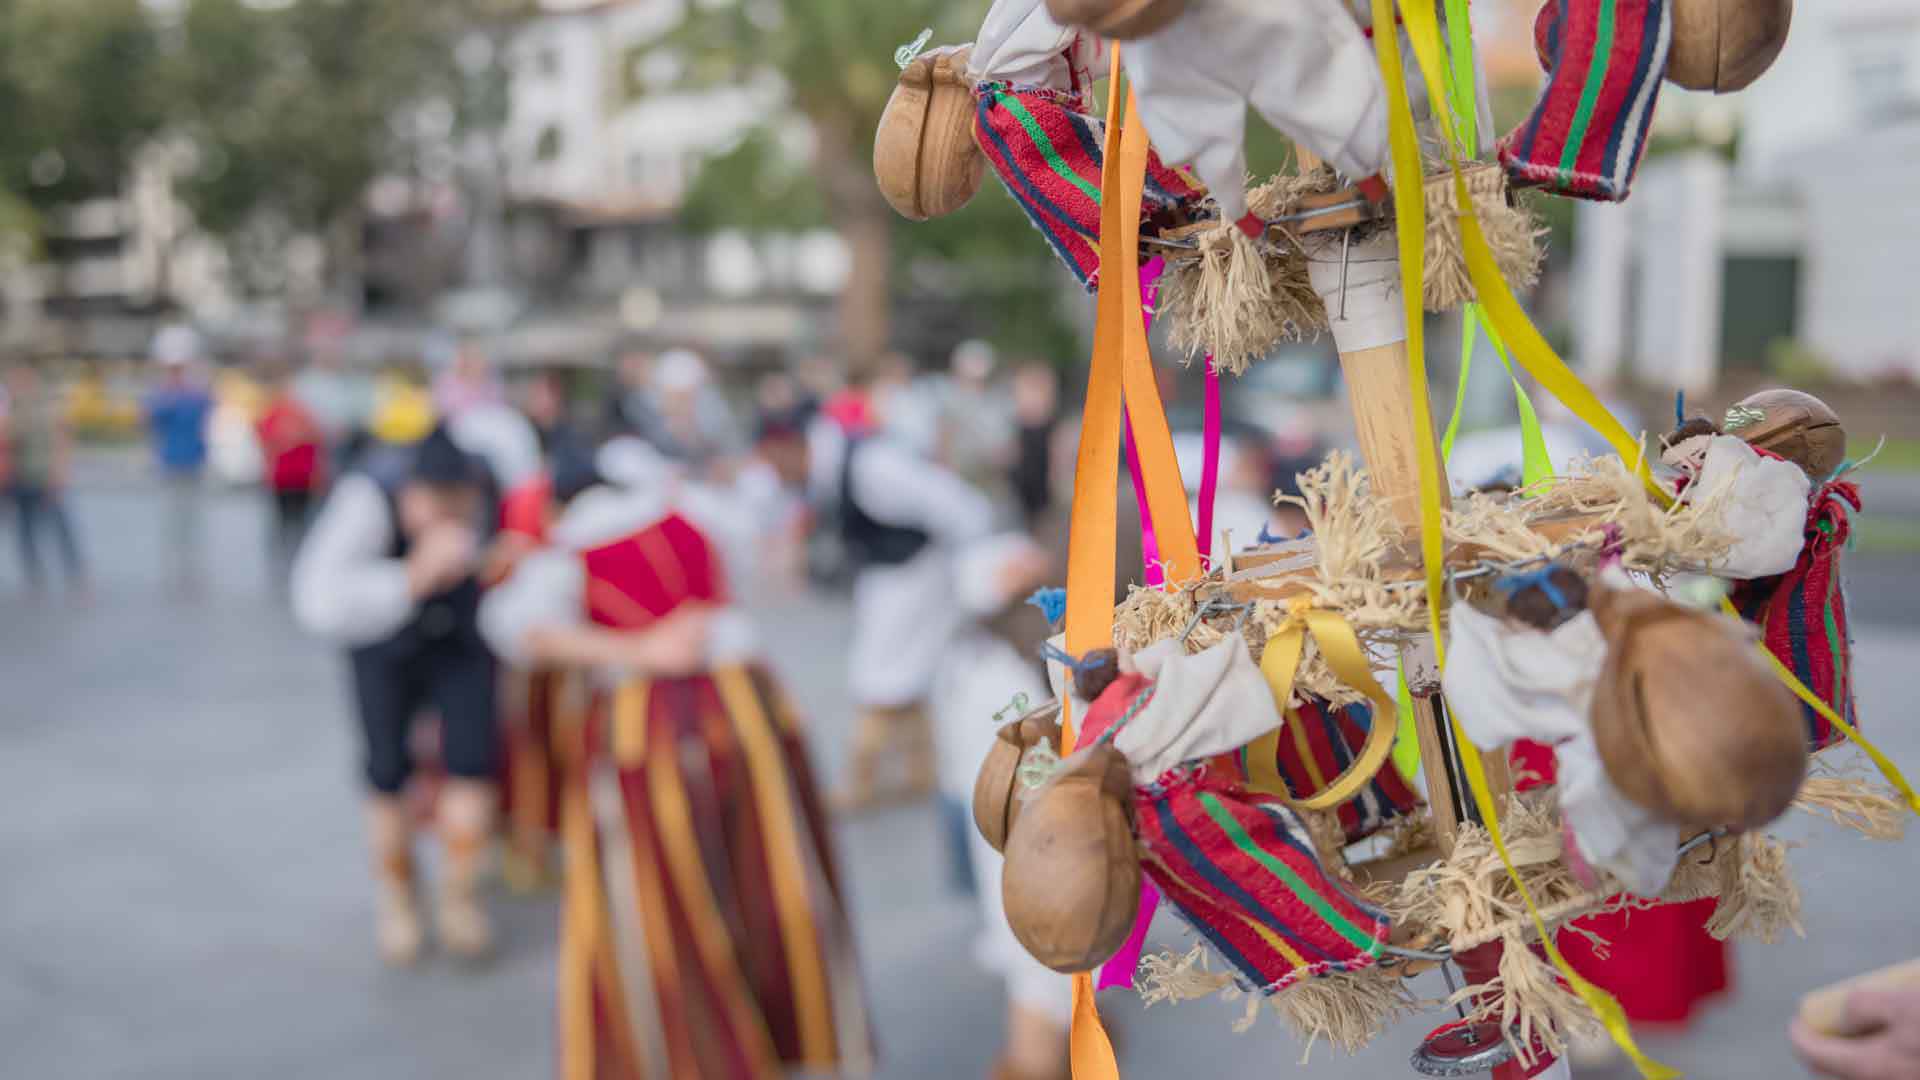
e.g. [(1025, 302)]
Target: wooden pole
[(1380, 387)]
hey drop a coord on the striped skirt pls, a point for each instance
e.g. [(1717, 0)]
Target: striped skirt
[(530, 779), (704, 933)]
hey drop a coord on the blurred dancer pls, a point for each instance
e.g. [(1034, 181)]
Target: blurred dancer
[(295, 453), (176, 413), (992, 663), (705, 933), (38, 448), (976, 427), (468, 381), (1036, 417), (901, 518), (389, 572)]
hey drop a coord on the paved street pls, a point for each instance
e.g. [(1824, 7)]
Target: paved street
[(184, 893)]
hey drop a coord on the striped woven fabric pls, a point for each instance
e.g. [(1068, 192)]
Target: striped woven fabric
[(1588, 129), (1318, 743), (1046, 149), (1240, 869), (1803, 613)]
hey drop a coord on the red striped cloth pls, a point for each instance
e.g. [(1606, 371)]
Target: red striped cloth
[(1240, 868), (1047, 150), (1318, 743), (1588, 130), (1802, 614)]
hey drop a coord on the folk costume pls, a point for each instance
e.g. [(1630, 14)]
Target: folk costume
[(704, 930), (901, 519), (409, 651)]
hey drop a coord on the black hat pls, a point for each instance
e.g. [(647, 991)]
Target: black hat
[(438, 461)]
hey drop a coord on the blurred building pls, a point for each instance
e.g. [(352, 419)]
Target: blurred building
[(599, 148), (110, 268), (1773, 225)]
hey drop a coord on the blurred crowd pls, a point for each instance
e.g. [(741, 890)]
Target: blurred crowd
[(430, 520)]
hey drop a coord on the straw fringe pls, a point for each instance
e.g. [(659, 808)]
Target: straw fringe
[(1361, 557), (1235, 303), (1345, 1009), (1869, 808), (1511, 233)]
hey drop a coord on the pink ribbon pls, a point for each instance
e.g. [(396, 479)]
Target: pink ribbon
[(1118, 970), (1209, 464)]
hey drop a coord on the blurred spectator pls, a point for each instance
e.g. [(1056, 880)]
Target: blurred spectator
[(295, 454), (177, 411), (467, 382), (692, 424), (780, 401), (37, 449), (976, 430), (544, 401), (630, 405), (340, 401), (901, 519), (1036, 419), (994, 656)]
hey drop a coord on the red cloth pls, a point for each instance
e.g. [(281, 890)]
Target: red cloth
[(290, 441), (1661, 963), (524, 509), (647, 574)]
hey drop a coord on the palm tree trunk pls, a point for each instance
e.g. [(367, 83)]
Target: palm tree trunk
[(866, 315), (865, 224)]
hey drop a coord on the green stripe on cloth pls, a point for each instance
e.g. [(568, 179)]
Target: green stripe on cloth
[(1837, 648), (1358, 938), (1590, 94), (1054, 161)]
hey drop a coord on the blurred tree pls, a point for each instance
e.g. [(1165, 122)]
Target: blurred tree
[(835, 60), (293, 110), (76, 95)]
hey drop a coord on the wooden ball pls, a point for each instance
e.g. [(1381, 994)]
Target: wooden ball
[(1723, 45), (1688, 717), (924, 156), (1544, 609), (1121, 20), (996, 801), (1797, 426), (1072, 878)]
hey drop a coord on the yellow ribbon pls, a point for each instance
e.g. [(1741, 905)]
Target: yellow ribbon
[(1410, 208), (1800, 690), (1348, 660)]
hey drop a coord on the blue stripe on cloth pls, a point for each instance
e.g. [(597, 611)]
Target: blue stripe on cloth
[(1214, 876), (1559, 37), (1802, 662), (1649, 45), (1030, 199)]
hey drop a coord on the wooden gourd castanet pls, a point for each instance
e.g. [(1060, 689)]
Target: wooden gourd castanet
[(1071, 884), (925, 160), (1689, 720)]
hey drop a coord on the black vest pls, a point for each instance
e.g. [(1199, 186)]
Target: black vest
[(450, 616), (869, 542)]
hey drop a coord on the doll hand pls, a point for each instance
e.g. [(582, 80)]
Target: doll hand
[(1888, 1047)]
